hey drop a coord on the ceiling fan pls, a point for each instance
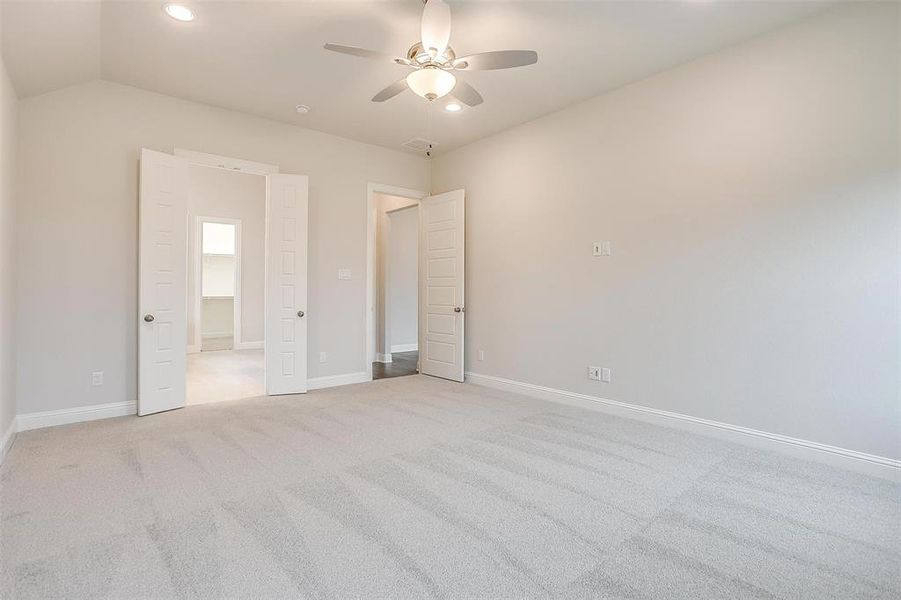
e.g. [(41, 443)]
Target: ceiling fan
[(433, 60)]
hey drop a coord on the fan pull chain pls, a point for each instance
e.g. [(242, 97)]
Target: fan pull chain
[(428, 128)]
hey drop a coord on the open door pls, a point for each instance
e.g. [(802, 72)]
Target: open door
[(162, 260), (286, 284), (441, 309)]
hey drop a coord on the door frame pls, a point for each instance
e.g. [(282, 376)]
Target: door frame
[(227, 163), (371, 190), (197, 269), (388, 347)]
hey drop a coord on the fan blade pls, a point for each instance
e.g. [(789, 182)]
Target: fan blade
[(501, 59), (466, 94), (436, 26), (391, 91), (361, 52)]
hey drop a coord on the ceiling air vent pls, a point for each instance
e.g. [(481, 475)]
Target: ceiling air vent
[(419, 144)]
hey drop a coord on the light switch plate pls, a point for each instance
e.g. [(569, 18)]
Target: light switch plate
[(343, 273), (602, 249)]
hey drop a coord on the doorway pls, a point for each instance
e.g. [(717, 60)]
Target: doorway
[(441, 277), (226, 281), (397, 352), (217, 306), (164, 334)]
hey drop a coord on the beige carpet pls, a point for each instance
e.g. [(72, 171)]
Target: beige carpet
[(416, 488)]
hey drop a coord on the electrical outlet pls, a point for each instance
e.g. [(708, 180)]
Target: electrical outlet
[(481, 355), (594, 373), (605, 375), (343, 273), (323, 357), (96, 378)]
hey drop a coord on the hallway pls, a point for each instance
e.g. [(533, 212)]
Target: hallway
[(402, 364)]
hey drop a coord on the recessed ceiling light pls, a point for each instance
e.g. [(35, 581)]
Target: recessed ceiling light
[(453, 107), (179, 12), (302, 109)]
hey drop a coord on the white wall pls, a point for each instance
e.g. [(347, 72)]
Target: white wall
[(218, 193), (78, 228), (383, 204), (752, 200), (8, 118), (217, 318), (403, 278)]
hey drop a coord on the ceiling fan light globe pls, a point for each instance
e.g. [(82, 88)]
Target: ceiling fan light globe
[(431, 83)]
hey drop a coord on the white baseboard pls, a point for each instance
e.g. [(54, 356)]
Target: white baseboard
[(216, 335), (404, 347), (6, 442), (193, 349), (853, 460), (65, 416), (80, 414), (318, 383), (382, 358), (249, 345)]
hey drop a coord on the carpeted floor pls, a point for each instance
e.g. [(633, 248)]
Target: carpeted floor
[(416, 487)]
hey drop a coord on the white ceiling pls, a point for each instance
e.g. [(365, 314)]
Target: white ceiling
[(265, 57)]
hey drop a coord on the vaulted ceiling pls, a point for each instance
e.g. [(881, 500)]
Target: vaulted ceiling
[(264, 57)]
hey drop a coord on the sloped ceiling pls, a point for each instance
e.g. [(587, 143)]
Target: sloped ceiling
[(264, 57)]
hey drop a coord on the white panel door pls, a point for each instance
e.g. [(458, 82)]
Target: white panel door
[(286, 284), (162, 263), (441, 309)]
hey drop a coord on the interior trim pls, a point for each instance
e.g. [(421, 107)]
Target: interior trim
[(248, 345), (51, 418), (861, 462), (9, 437), (226, 163), (404, 347), (80, 414), (318, 383)]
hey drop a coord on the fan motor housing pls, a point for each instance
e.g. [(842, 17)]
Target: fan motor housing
[(416, 51)]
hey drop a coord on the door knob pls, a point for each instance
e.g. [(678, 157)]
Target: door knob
[(148, 317), (300, 313), (458, 309)]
